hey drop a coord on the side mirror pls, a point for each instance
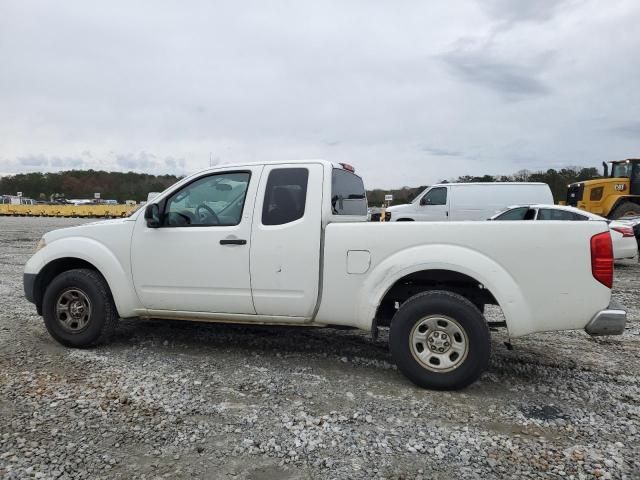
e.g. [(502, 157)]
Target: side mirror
[(152, 215), (423, 200)]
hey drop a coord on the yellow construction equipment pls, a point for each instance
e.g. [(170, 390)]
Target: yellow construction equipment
[(616, 195), (92, 210)]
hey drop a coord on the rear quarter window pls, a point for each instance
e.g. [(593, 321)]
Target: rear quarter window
[(348, 196)]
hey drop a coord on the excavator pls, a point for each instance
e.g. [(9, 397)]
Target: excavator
[(616, 195)]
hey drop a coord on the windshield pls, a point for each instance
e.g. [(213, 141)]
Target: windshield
[(620, 170)]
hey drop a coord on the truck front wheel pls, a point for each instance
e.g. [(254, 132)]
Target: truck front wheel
[(78, 310), (440, 340)]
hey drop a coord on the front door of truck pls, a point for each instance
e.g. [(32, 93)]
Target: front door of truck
[(285, 240), (198, 259), (434, 206)]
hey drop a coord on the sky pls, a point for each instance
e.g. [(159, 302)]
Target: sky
[(409, 92)]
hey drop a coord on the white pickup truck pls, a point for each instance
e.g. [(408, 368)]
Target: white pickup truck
[(288, 244)]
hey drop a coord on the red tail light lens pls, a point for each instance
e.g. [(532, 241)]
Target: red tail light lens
[(602, 258), (625, 231)]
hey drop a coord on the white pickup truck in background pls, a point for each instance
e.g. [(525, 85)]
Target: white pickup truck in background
[(288, 244)]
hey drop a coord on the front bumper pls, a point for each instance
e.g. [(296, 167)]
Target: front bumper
[(610, 321)]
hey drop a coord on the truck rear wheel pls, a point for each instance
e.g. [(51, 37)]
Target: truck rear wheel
[(78, 309), (625, 209), (440, 340)]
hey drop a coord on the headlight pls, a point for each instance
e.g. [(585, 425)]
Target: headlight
[(41, 244)]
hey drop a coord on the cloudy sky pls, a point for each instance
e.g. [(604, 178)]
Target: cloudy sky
[(408, 92)]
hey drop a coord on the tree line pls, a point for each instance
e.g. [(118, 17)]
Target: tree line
[(70, 184), (135, 186)]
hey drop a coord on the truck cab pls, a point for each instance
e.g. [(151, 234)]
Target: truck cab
[(259, 224)]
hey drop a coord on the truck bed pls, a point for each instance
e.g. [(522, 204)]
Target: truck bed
[(539, 272)]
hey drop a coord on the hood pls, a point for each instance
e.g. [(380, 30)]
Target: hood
[(600, 181), (92, 229)]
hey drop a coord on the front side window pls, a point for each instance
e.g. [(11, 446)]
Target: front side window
[(435, 196), (285, 196), (348, 196), (215, 200)]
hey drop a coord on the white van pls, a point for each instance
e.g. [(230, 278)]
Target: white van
[(468, 201)]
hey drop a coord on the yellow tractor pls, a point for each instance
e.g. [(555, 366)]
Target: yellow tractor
[(614, 196)]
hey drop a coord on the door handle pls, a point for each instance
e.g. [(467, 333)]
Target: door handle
[(232, 241)]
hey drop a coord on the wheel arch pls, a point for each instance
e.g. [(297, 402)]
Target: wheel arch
[(52, 270), (624, 199), (446, 267), (71, 253), (421, 281)]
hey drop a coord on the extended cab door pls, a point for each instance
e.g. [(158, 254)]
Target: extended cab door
[(198, 259), (285, 240), (434, 205)]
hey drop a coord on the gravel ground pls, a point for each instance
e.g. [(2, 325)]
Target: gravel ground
[(183, 400)]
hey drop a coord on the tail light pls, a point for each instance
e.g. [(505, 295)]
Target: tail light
[(602, 258), (625, 231)]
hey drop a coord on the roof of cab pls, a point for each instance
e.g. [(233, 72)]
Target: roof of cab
[(625, 160), (327, 163), (274, 162)]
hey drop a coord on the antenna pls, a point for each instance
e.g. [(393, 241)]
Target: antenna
[(210, 160)]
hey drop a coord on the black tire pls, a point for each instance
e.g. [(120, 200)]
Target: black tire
[(103, 316), (467, 319), (625, 209)]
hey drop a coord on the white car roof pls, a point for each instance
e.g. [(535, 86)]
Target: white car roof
[(492, 184), (589, 215)]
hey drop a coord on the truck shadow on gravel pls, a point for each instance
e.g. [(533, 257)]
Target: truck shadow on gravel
[(529, 363), (194, 337)]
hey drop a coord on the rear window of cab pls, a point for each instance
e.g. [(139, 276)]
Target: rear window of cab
[(348, 196)]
